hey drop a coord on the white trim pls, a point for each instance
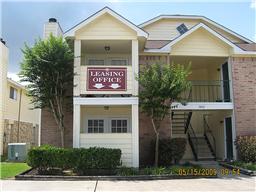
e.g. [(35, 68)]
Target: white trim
[(76, 125), (196, 27), (195, 17), (203, 106), (39, 127), (135, 135), (107, 123), (139, 31), (106, 101)]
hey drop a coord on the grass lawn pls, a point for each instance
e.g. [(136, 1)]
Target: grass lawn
[(250, 166), (11, 169)]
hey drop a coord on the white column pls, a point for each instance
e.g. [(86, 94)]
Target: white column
[(76, 125), (135, 65), (135, 135), (77, 63)]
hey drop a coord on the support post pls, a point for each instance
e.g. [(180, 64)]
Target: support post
[(135, 65), (135, 135), (76, 125), (77, 64)]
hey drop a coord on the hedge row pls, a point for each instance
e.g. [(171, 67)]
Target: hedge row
[(246, 148), (47, 157)]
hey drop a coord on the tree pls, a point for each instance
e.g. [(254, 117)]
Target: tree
[(47, 67), (160, 85)]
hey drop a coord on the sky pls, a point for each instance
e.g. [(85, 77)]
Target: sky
[(22, 22)]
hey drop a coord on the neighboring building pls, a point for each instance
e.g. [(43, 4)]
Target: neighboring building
[(18, 123), (109, 51)]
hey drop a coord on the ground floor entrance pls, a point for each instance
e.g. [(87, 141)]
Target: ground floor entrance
[(210, 133)]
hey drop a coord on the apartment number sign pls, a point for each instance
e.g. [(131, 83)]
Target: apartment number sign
[(106, 79)]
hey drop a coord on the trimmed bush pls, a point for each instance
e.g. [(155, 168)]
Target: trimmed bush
[(246, 148), (47, 158), (171, 150), (96, 158)]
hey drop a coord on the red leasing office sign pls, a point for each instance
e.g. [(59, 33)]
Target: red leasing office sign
[(106, 79)]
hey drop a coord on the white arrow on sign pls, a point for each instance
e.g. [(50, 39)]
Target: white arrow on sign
[(98, 85), (114, 85)]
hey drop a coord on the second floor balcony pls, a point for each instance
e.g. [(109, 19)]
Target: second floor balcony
[(207, 91)]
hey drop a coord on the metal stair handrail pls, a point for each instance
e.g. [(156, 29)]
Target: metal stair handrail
[(193, 142), (207, 131)]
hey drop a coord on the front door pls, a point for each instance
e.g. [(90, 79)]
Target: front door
[(229, 138), (225, 78)]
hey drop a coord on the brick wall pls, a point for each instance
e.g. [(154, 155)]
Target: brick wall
[(244, 91), (50, 133), (28, 133)]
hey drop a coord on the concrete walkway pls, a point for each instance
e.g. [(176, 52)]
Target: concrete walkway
[(238, 183)]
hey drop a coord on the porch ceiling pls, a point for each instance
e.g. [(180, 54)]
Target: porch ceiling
[(98, 46), (198, 62)]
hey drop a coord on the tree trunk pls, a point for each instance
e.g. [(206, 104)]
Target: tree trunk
[(156, 149), (62, 137), (157, 141)]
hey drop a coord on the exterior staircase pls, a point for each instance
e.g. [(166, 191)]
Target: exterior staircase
[(200, 145), (204, 152), (179, 121)]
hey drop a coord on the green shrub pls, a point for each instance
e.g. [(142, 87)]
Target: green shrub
[(178, 148), (47, 158), (96, 158), (171, 150), (165, 152), (246, 148)]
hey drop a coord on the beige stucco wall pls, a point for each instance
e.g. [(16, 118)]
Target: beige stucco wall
[(9, 107), (165, 29), (3, 80), (201, 43), (105, 27), (27, 113)]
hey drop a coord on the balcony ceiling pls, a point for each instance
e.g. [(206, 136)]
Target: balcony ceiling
[(199, 62), (98, 46)]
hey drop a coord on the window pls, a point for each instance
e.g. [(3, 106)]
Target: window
[(118, 62), (119, 125), (96, 62), (13, 93), (95, 126), (182, 28)]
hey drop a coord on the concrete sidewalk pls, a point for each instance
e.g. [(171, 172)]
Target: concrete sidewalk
[(241, 183)]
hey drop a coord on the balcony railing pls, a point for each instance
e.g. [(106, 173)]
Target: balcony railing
[(207, 91)]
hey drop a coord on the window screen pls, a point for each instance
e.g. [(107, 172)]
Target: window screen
[(96, 62), (119, 126), (182, 28), (95, 126), (13, 93), (119, 62)]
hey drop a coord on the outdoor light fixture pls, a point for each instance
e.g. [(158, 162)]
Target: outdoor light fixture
[(107, 48)]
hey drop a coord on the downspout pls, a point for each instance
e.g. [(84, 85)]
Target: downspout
[(18, 131)]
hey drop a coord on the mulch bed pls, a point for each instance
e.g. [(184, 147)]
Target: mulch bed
[(32, 174)]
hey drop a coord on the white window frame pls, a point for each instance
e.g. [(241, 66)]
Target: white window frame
[(115, 59), (98, 58), (119, 118), (107, 124), (15, 93), (107, 61)]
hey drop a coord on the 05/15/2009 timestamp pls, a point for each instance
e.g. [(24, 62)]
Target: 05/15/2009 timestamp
[(208, 172)]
